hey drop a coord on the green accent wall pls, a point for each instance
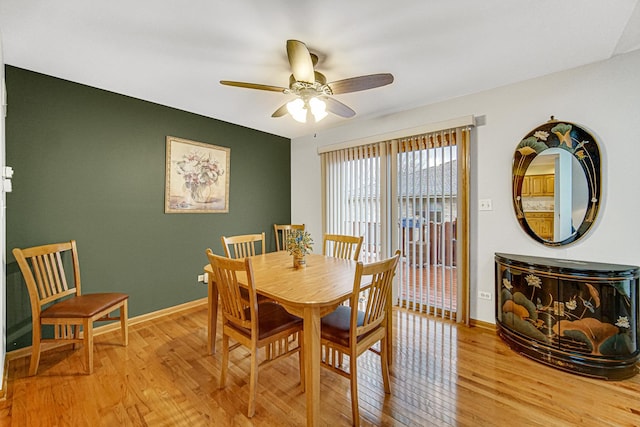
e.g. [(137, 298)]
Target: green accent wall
[(90, 165)]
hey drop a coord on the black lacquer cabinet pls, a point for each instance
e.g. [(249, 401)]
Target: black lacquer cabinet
[(581, 317)]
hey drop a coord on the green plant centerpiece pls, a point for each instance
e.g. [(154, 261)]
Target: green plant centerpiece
[(299, 243)]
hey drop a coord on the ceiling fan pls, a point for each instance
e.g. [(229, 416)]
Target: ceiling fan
[(313, 95)]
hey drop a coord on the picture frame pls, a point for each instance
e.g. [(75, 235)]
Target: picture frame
[(196, 177)]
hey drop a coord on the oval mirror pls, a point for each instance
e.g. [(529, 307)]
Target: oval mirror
[(556, 182)]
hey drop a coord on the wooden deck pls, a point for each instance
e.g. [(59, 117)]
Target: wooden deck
[(428, 286)]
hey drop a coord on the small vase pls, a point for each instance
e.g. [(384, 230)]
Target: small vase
[(299, 261)]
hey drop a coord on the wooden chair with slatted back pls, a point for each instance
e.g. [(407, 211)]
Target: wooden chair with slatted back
[(253, 324), (281, 233), (342, 246), (244, 245), (52, 275), (350, 332)]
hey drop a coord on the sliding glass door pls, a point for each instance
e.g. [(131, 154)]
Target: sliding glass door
[(406, 194), (427, 208)]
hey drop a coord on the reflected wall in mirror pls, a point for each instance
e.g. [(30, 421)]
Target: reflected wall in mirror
[(556, 182)]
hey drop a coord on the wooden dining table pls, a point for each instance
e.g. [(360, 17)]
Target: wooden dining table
[(309, 293)]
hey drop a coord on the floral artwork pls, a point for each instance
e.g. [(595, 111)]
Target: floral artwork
[(578, 320), (197, 177)]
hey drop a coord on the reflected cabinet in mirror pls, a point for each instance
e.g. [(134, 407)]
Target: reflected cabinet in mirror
[(556, 182)]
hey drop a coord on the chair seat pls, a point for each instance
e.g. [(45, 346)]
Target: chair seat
[(83, 305), (272, 319), (335, 326)]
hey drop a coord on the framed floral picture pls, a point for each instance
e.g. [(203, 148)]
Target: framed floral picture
[(197, 177)]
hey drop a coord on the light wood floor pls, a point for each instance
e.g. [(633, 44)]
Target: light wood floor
[(443, 375)]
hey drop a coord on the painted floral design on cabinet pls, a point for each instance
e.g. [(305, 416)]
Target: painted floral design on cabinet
[(571, 315)]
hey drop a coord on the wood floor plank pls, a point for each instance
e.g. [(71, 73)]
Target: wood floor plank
[(443, 375)]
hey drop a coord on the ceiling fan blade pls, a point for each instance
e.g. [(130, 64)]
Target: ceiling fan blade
[(355, 84), (280, 111), (300, 61), (253, 86), (338, 108)]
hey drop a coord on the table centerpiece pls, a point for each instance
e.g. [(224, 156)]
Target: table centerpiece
[(299, 243)]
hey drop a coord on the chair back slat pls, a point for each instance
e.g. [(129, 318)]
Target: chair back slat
[(62, 278), (44, 272), (376, 293), (282, 232), (234, 307), (244, 245), (42, 287), (342, 246), (49, 270)]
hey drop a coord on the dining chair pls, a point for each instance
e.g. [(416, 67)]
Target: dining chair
[(56, 299), (342, 246), (281, 233), (243, 245), (352, 329), (253, 324)]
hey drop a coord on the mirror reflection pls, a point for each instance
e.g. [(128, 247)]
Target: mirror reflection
[(554, 195), (556, 182)]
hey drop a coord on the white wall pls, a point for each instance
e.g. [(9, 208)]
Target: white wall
[(603, 97)]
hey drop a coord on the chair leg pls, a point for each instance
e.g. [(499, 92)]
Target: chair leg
[(35, 348), (384, 361), (68, 331), (301, 359), (353, 377), (253, 382), (87, 330), (225, 360), (124, 318), (268, 351)]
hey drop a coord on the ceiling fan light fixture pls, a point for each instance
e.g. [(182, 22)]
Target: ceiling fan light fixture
[(318, 109), (297, 110), (300, 108), (311, 89)]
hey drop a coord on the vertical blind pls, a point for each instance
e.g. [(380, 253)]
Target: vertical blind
[(427, 205), (403, 194), (354, 187)]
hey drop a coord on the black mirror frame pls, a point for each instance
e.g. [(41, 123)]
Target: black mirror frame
[(579, 143)]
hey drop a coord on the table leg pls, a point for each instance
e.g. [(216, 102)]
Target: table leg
[(212, 317), (311, 320)]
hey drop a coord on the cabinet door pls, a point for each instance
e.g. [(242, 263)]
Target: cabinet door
[(536, 185), (525, 303), (597, 318), (549, 182), (546, 228), (541, 223), (535, 223)]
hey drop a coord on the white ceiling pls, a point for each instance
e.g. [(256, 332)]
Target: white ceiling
[(174, 52)]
